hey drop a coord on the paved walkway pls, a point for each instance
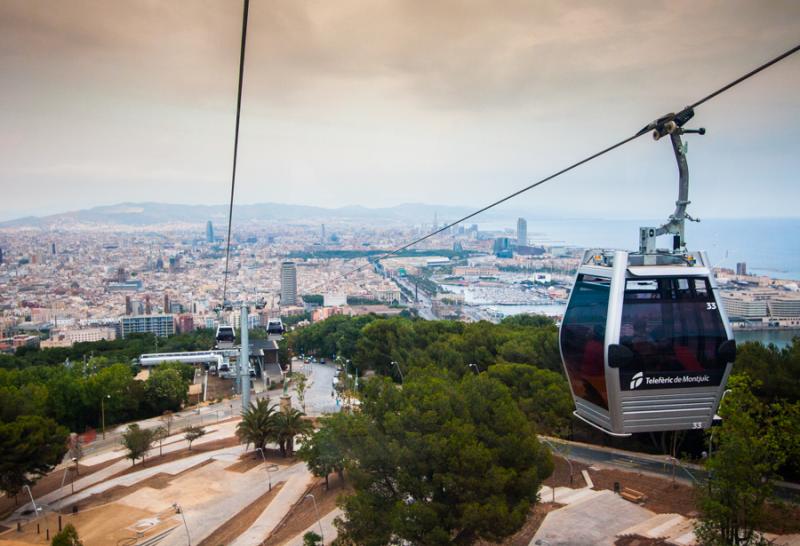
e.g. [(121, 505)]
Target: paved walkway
[(175, 443), (590, 518), (297, 480)]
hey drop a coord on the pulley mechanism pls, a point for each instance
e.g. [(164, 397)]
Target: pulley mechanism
[(672, 125)]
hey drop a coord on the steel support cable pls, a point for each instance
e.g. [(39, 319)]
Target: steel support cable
[(576, 164), (235, 148)]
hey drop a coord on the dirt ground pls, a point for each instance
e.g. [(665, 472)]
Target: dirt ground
[(48, 484), (158, 481), (181, 454), (640, 541), (662, 495), (252, 459), (302, 515), (241, 522), (108, 524), (524, 536), (218, 387)]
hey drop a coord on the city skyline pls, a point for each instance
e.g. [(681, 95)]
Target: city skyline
[(106, 104)]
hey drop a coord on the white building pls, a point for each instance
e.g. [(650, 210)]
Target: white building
[(334, 300)]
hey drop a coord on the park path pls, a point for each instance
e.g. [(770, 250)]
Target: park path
[(297, 480), (173, 443)]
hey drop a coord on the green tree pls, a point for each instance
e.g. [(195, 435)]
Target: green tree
[(322, 452), (752, 444), (288, 425), (30, 447), (159, 435), (311, 539), (258, 426), (165, 389), (300, 384), (68, 536), (137, 441), (192, 433), (775, 369), (542, 395), (439, 462)]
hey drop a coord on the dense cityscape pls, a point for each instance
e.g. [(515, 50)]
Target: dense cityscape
[(359, 273), (58, 287)]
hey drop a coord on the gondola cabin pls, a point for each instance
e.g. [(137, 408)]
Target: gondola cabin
[(226, 336), (645, 342)]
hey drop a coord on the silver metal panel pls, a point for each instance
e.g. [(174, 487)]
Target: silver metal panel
[(668, 271), (595, 414), (587, 410), (669, 409), (613, 325)]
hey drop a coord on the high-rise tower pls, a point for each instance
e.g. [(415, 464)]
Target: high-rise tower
[(209, 232), (288, 283), (522, 232)]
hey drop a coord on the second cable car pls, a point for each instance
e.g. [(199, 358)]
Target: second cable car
[(645, 342)]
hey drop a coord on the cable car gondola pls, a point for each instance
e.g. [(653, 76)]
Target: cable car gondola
[(645, 342), (275, 327), (226, 336)]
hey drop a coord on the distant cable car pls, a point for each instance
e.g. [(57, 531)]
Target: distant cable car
[(275, 326), (226, 336), (645, 342)]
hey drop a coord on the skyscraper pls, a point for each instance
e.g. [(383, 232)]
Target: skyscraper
[(209, 232), (323, 234), (522, 232), (288, 283), (53, 249), (1, 256)]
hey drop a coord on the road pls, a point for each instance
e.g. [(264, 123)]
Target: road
[(318, 399)]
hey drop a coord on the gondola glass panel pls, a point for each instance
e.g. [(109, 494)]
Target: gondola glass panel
[(674, 330), (582, 339)]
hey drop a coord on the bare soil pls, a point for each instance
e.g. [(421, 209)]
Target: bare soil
[(524, 536), (302, 515), (48, 484), (157, 481), (181, 454), (663, 496), (104, 525), (241, 522), (252, 459), (640, 541)]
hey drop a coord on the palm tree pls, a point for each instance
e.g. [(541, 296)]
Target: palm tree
[(257, 426), (288, 424)]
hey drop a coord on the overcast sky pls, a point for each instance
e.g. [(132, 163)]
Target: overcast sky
[(381, 102)]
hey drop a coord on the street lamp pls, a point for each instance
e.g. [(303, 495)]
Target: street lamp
[(268, 467), (474, 367), (178, 510), (103, 413), (319, 521), (396, 365)]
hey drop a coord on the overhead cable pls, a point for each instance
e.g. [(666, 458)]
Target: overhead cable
[(576, 164)]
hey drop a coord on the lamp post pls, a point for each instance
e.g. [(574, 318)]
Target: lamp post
[(268, 467), (319, 521), (474, 367), (178, 510), (103, 413), (396, 365)]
